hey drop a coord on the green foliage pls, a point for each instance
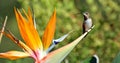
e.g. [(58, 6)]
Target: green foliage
[(117, 58), (103, 40), (87, 60)]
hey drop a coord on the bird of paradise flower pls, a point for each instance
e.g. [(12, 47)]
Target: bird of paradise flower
[(35, 47)]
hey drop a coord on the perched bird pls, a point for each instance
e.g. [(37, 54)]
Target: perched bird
[(87, 23)]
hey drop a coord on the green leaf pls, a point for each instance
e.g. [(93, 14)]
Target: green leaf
[(58, 55), (93, 59), (117, 58), (87, 60)]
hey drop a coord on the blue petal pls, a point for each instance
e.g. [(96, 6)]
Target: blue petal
[(56, 41)]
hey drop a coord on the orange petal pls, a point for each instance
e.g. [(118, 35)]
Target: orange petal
[(49, 31), (27, 30), (13, 55), (18, 42)]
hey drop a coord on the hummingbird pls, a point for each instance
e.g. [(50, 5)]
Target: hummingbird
[(87, 23)]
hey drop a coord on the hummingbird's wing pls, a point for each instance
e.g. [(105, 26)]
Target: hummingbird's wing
[(84, 27)]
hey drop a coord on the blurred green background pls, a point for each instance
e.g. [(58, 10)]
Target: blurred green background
[(103, 40)]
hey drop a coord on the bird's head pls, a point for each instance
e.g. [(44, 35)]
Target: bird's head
[(86, 15)]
